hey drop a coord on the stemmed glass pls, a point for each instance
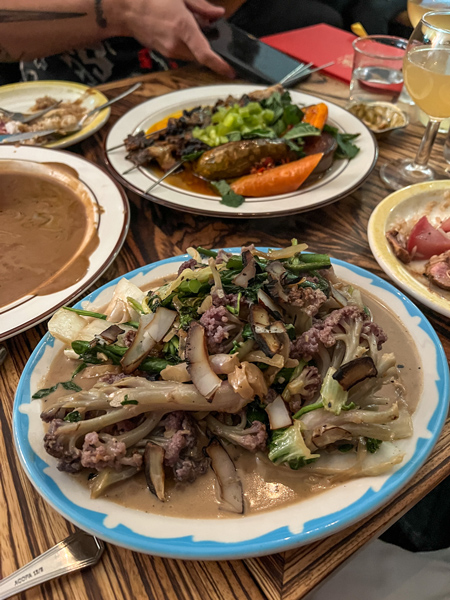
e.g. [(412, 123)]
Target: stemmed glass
[(417, 8), (426, 72)]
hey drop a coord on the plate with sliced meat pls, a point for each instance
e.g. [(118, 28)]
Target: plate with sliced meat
[(240, 151), (409, 235)]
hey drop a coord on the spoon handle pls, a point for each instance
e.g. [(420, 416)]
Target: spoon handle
[(77, 551), (132, 89)]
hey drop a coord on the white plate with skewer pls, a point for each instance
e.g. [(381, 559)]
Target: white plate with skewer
[(339, 181)]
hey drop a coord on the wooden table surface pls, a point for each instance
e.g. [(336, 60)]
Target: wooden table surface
[(28, 526)]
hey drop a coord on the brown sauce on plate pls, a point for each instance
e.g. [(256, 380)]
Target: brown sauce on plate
[(46, 231)]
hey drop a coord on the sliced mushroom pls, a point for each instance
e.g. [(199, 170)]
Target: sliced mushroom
[(154, 469), (217, 287), (260, 316), (355, 371), (248, 381), (260, 323), (223, 364), (229, 492), (109, 477), (111, 334), (277, 274), (198, 365), (329, 434), (340, 298), (176, 373), (258, 356), (286, 252), (269, 304), (248, 272), (152, 328)]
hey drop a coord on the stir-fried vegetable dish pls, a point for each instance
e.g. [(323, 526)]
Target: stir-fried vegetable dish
[(262, 353), (261, 144)]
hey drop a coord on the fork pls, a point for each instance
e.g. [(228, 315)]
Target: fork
[(28, 117)]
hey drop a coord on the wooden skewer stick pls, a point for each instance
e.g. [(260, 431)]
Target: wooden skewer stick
[(148, 135), (176, 166)]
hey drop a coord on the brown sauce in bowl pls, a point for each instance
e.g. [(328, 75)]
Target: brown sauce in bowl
[(46, 231)]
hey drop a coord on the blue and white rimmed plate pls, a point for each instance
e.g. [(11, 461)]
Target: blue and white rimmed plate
[(340, 180), (239, 537)]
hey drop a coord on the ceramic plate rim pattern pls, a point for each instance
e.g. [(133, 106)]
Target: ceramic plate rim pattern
[(65, 89), (112, 230), (370, 493), (342, 180), (383, 254)]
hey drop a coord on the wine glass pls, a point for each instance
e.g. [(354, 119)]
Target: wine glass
[(417, 8), (426, 73)]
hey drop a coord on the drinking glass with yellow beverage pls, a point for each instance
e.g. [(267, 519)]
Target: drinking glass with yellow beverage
[(426, 73), (418, 8)]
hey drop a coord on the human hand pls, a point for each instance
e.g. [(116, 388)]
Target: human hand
[(172, 28)]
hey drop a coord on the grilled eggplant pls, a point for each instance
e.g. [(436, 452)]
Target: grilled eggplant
[(237, 158)]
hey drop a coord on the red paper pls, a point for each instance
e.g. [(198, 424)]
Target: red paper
[(319, 44)]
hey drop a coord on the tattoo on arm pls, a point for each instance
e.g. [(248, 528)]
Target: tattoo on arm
[(99, 15), (22, 16), (16, 16)]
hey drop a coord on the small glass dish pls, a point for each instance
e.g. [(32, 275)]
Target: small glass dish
[(380, 117)]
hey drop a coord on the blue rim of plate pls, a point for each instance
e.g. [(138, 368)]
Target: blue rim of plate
[(278, 540)]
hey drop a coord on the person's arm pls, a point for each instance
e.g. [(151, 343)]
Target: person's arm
[(36, 28)]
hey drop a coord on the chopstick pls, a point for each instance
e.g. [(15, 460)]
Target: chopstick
[(298, 72), (322, 67), (294, 73)]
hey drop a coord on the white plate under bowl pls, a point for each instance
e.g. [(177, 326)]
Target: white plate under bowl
[(110, 204), (340, 180), (22, 96), (240, 536), (407, 204)]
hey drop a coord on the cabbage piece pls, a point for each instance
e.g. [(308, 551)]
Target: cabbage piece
[(66, 325), (119, 310)]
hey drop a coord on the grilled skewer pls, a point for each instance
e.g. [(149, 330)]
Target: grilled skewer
[(146, 136)]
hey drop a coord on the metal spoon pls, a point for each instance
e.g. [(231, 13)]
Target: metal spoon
[(77, 551)]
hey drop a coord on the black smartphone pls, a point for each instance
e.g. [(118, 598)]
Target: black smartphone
[(249, 56)]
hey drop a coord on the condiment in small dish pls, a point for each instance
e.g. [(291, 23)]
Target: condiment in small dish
[(380, 117)]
